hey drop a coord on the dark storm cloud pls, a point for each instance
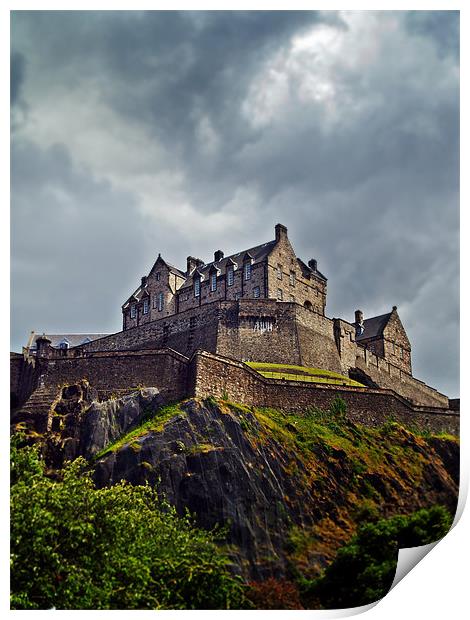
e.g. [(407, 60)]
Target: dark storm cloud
[(17, 68), (442, 26), (350, 139)]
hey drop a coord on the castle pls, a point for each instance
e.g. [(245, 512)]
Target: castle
[(263, 304)]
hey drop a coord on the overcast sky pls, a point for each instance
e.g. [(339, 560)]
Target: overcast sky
[(135, 133)]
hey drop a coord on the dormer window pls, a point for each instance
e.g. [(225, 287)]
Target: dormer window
[(146, 305), (64, 344), (213, 281), (247, 271), (160, 302), (133, 311), (197, 287), (230, 276)]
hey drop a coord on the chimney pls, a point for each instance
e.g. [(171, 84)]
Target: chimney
[(143, 281), (192, 263), (218, 255), (359, 322), (312, 263), (281, 232)]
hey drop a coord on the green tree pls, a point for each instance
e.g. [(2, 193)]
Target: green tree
[(364, 569), (76, 547)]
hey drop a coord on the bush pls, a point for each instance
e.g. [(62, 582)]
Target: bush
[(274, 594), (364, 569), (76, 547)]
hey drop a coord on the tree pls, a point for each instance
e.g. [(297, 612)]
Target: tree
[(76, 547), (364, 569)]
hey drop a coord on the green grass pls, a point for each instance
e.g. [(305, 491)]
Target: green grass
[(155, 422), (308, 374)]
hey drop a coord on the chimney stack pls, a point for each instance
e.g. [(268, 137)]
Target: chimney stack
[(218, 255), (192, 263), (312, 263), (281, 232), (359, 322)]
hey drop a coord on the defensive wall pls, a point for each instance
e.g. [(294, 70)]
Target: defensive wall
[(264, 330), (206, 374), (221, 377)]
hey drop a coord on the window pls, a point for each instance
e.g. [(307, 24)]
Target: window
[(154, 300), (160, 302), (256, 292), (213, 281), (279, 294), (230, 275), (197, 287), (133, 311), (247, 269), (292, 278), (146, 305), (279, 272), (64, 344), (237, 296), (292, 298), (263, 325), (157, 276)]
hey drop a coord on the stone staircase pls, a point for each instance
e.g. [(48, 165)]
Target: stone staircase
[(36, 409)]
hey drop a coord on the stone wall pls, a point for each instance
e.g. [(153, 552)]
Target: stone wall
[(23, 378), (114, 371), (214, 375), (387, 375)]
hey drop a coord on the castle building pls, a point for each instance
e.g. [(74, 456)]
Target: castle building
[(267, 271), (263, 304)]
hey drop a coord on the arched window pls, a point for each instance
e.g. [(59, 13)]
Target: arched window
[(308, 305)]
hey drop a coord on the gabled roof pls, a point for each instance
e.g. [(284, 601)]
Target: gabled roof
[(374, 326), (308, 269), (258, 253), (171, 268), (73, 340)]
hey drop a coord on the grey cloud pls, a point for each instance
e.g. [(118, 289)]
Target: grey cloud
[(442, 26), (17, 69)]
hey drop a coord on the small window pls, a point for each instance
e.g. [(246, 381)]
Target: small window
[(279, 294), (237, 296), (230, 275), (64, 344), (256, 292), (292, 278), (279, 272), (247, 269), (197, 287), (157, 276), (160, 302), (213, 282), (292, 298), (133, 311), (146, 305), (154, 300)]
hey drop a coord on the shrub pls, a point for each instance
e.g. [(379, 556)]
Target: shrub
[(274, 594), (76, 547)]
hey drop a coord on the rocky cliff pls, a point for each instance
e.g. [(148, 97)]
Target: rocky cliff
[(289, 488)]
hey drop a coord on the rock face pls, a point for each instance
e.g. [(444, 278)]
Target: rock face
[(290, 490), (82, 426)]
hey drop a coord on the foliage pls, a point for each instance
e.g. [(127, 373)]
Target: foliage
[(274, 594), (364, 569), (76, 547)]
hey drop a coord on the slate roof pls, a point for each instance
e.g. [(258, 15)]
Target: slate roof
[(258, 254), (374, 326), (73, 339)]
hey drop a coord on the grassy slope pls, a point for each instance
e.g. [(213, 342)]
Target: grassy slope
[(301, 373)]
